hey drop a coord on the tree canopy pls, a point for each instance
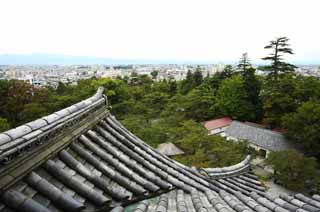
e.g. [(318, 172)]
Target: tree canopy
[(295, 171), (304, 127), (279, 47)]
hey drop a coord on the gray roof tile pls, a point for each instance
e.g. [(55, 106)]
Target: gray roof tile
[(264, 138)]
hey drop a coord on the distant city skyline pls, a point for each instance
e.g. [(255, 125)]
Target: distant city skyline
[(60, 59), (146, 31)]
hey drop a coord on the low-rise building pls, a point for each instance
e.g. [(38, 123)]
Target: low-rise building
[(262, 140), (217, 126)]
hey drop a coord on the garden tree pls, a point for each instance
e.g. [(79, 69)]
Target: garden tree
[(173, 87), (203, 150), (307, 88), (294, 171), (4, 87), (160, 86), (279, 48), (215, 81), (154, 74), (19, 93), (175, 109), (61, 88), (304, 127), (145, 80), (227, 72), (4, 125), (199, 104), (188, 83), (232, 100), (133, 78), (86, 88), (251, 84), (244, 63), (41, 95), (190, 136), (156, 101), (32, 111), (253, 87), (197, 77), (155, 132), (278, 99)]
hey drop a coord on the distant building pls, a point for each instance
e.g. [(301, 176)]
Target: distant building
[(262, 140), (217, 126), (169, 149)]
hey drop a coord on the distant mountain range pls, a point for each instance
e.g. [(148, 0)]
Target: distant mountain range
[(56, 59)]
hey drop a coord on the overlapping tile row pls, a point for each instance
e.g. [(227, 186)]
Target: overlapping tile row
[(229, 171), (178, 200), (109, 168), (20, 140)]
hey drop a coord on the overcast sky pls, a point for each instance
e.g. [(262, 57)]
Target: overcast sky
[(203, 30)]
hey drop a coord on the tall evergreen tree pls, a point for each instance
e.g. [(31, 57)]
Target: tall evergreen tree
[(197, 76), (244, 63), (232, 100), (227, 72), (251, 84), (279, 47)]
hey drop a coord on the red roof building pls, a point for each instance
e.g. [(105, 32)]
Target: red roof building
[(217, 126)]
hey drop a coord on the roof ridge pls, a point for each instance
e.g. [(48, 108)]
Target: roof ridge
[(258, 128), (21, 139), (227, 171)]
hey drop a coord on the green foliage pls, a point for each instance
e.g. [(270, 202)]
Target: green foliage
[(286, 95), (33, 111), (304, 127), (251, 85), (4, 125), (279, 47), (232, 99), (227, 72), (244, 63), (192, 81), (188, 83), (199, 105), (294, 171), (154, 74), (197, 77)]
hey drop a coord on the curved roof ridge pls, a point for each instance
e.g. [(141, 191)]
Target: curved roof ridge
[(20, 139), (227, 171)]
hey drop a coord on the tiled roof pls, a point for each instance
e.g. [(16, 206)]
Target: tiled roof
[(108, 168), (217, 123), (264, 138)]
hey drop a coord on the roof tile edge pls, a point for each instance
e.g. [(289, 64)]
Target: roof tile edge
[(11, 141)]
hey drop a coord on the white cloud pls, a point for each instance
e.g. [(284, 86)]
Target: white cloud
[(159, 29)]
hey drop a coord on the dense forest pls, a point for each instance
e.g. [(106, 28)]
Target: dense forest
[(171, 111)]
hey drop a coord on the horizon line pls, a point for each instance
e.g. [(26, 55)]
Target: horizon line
[(117, 61)]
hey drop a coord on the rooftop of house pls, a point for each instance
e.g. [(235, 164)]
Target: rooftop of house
[(217, 123), (264, 138)]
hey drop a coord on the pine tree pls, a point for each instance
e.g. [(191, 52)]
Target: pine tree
[(244, 63), (197, 76), (278, 66), (251, 84), (227, 72), (188, 83)]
